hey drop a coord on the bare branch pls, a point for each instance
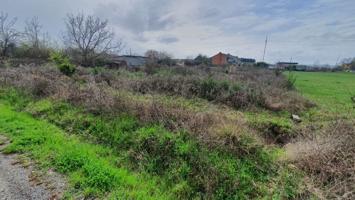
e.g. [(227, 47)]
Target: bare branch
[(33, 33), (90, 36), (8, 34)]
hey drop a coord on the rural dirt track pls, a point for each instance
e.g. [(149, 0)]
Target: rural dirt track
[(16, 184)]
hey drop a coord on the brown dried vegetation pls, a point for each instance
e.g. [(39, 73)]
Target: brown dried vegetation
[(327, 157)]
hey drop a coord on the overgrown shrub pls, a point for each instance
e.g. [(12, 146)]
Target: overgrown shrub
[(243, 89), (210, 89), (63, 63)]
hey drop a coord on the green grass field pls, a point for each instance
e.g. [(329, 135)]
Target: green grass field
[(329, 90)]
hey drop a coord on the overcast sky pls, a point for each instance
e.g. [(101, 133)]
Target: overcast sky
[(309, 31)]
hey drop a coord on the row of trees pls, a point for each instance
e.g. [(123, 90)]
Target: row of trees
[(86, 39)]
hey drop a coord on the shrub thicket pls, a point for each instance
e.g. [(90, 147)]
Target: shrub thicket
[(243, 89)]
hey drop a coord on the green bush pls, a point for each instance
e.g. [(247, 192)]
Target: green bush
[(212, 89), (63, 63), (209, 89)]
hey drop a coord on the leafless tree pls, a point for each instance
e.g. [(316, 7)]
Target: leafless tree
[(153, 55), (157, 55), (8, 34), (37, 42), (91, 36), (33, 31)]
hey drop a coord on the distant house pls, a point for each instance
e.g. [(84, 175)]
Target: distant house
[(232, 60), (228, 59), (247, 61), (286, 65), (127, 61), (219, 59)]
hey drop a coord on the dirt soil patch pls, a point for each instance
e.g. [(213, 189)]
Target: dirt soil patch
[(19, 180)]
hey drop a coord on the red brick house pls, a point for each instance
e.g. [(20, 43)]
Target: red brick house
[(228, 59), (219, 59)]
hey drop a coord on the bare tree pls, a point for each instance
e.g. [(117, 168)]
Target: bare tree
[(33, 31), (153, 55), (90, 36), (36, 42), (8, 34), (157, 55)]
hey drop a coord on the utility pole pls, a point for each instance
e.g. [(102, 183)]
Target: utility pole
[(265, 48), (336, 63)]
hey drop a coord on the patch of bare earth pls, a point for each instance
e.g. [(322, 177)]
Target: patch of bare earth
[(19, 180)]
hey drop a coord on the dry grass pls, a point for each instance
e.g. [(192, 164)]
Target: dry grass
[(328, 158)]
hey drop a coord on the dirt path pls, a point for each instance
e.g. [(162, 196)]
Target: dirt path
[(20, 183)]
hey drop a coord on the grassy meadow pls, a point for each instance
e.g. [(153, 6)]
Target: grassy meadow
[(332, 91)]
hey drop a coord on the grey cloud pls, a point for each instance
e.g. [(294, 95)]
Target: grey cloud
[(168, 39), (139, 17)]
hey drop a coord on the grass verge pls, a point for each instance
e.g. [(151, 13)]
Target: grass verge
[(91, 168)]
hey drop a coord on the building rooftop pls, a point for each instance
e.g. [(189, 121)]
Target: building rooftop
[(287, 63)]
